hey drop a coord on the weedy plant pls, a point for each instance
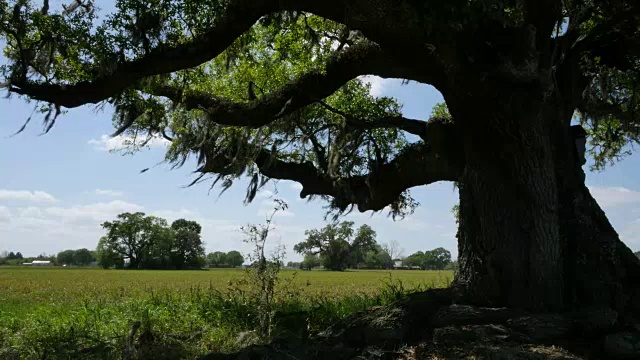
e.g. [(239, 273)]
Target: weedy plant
[(263, 284)]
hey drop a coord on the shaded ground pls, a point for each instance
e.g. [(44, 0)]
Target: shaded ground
[(428, 326)]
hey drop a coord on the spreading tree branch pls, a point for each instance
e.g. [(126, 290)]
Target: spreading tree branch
[(239, 16), (417, 164), (359, 59), (412, 126)]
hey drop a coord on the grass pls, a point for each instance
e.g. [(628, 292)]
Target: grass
[(63, 313)]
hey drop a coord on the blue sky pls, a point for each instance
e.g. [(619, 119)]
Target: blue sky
[(56, 189)]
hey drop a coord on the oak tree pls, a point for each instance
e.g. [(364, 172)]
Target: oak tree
[(234, 258), (187, 248), (338, 244), (217, 258), (132, 235), (270, 90)]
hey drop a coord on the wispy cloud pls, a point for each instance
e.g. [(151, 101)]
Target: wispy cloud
[(106, 192), (26, 195), (267, 207), (614, 196), (5, 214), (377, 84), (108, 143)]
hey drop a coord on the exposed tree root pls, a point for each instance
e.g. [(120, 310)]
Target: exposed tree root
[(429, 325)]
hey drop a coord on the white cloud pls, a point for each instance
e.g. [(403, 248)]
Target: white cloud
[(268, 205), (106, 192), (631, 235), (265, 194), (378, 84), (295, 186), (108, 143), (614, 196), (93, 214), (5, 214), (25, 195), (51, 229), (172, 215)]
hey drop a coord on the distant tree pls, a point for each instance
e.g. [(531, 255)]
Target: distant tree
[(19, 255), (188, 249), (440, 258), (65, 257), (4, 254), (82, 257), (310, 261), (131, 235), (373, 261), (11, 256), (453, 265), (393, 249), (234, 258), (217, 258), (106, 256), (378, 258), (160, 253), (415, 259), (336, 243)]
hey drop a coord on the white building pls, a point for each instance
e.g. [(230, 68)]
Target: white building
[(40, 263)]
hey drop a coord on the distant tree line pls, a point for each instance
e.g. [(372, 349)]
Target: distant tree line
[(10, 255), (79, 257), (139, 241), (16, 258), (221, 259), (338, 246), (436, 259), (637, 253)]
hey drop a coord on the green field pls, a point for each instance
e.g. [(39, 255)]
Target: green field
[(87, 313)]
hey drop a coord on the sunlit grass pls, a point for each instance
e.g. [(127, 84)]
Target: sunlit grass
[(87, 313)]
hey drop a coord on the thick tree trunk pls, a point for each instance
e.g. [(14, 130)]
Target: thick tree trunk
[(530, 233), (510, 250), (600, 269)]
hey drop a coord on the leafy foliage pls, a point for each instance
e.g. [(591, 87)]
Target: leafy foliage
[(310, 261), (338, 244), (436, 259), (277, 50), (234, 258), (378, 258), (80, 257), (142, 241), (217, 258)]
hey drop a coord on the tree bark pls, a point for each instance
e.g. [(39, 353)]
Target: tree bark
[(510, 252), (530, 233)]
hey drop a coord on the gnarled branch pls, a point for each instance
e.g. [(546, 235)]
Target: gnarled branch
[(360, 59), (418, 164), (412, 126), (239, 16)]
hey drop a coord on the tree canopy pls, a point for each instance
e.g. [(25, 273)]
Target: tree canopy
[(436, 259), (207, 75), (143, 241), (80, 257), (338, 244)]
